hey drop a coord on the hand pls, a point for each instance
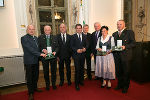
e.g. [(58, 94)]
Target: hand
[(54, 53), (99, 49), (58, 59), (79, 51), (92, 54), (45, 51), (43, 55), (83, 49), (123, 47), (109, 51)]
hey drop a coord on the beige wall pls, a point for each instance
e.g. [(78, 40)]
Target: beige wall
[(13, 22), (107, 12), (8, 30)]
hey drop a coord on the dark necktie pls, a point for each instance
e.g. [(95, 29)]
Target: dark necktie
[(96, 35), (63, 39), (80, 38), (48, 41)]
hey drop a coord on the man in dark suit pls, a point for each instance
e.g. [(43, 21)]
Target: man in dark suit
[(31, 62), (95, 35), (88, 50), (64, 54), (123, 58), (79, 45), (47, 40)]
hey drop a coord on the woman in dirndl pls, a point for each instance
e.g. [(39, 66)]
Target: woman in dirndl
[(105, 66)]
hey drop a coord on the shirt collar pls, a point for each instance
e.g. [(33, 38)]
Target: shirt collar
[(85, 33), (106, 39), (79, 34), (121, 30), (62, 34)]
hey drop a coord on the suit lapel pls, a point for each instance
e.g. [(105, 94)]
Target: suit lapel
[(67, 37), (82, 38), (60, 38)]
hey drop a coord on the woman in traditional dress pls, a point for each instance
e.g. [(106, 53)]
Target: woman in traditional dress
[(105, 66)]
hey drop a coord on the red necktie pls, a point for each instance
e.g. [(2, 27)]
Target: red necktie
[(119, 33)]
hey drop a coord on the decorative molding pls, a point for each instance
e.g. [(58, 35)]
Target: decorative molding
[(30, 11), (140, 25)]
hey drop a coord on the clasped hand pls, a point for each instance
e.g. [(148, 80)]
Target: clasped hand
[(81, 50)]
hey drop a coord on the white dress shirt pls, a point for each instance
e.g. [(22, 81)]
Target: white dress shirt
[(80, 35), (64, 36)]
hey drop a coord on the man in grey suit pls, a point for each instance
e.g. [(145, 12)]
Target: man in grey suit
[(31, 62)]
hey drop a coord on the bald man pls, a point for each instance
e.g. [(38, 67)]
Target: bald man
[(31, 62), (47, 40), (123, 58), (64, 54)]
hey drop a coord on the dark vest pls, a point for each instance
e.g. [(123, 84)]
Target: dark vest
[(107, 44)]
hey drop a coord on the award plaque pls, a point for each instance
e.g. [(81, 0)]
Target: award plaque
[(103, 52), (49, 54), (116, 48)]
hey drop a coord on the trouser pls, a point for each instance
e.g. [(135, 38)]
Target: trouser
[(67, 62), (53, 63), (123, 70), (79, 61), (88, 62), (32, 74)]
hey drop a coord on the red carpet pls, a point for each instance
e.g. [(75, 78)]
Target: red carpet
[(90, 91)]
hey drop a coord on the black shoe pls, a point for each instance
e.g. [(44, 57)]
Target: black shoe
[(31, 97), (108, 87), (77, 88), (96, 78), (81, 83), (54, 87), (38, 90), (61, 83), (69, 83), (102, 86), (118, 88), (90, 77), (47, 88), (124, 90)]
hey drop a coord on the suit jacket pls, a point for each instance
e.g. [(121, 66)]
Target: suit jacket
[(94, 42), (64, 49), (76, 44), (30, 48), (43, 45), (89, 40), (128, 40)]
